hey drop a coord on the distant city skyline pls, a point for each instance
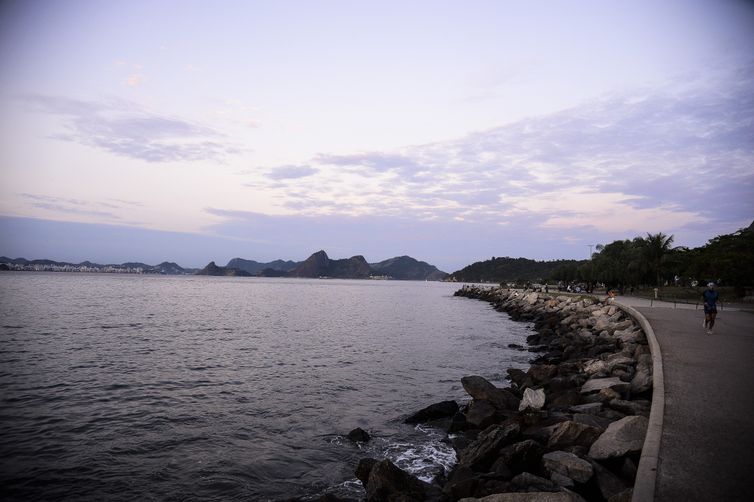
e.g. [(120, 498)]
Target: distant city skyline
[(195, 132)]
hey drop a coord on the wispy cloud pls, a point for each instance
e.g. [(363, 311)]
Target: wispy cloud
[(644, 161), (123, 128), (291, 172), (73, 206)]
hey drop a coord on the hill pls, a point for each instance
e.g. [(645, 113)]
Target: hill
[(320, 265), (407, 268), (212, 269), (255, 267), (509, 269)]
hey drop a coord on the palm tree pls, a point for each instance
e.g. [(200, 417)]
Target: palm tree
[(656, 247)]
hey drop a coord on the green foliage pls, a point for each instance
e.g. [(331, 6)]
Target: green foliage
[(510, 270), (650, 260), (642, 261)]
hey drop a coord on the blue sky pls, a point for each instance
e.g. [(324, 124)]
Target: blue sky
[(453, 132)]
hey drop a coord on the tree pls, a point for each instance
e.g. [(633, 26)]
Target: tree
[(656, 248)]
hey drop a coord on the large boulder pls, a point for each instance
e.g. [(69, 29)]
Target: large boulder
[(522, 456), (433, 412), (642, 380), (481, 453), (621, 437), (597, 384), (481, 414), (572, 433), (480, 388), (388, 482), (569, 465), (359, 435)]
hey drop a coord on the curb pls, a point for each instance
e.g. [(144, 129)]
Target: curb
[(646, 475)]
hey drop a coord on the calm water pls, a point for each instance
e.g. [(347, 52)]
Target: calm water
[(204, 388)]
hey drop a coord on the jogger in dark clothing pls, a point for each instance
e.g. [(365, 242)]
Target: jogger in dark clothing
[(710, 297)]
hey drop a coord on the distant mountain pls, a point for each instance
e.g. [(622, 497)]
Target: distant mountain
[(166, 268), (320, 265), (212, 269), (508, 270), (255, 267), (407, 268)]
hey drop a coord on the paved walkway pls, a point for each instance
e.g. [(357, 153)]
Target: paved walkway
[(706, 450)]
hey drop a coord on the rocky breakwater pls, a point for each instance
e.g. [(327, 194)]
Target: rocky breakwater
[(570, 428)]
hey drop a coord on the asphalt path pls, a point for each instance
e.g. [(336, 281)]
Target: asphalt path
[(707, 443)]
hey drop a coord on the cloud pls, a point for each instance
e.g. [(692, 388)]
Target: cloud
[(135, 79), (291, 172), (654, 159), (123, 128), (72, 206)]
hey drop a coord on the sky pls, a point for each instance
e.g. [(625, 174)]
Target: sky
[(452, 132)]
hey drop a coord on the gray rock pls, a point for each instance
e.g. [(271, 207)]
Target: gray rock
[(588, 408), (595, 366), (481, 414), (597, 384), (480, 388), (630, 335), (561, 480), (637, 407), (528, 481), (642, 380), (483, 451), (386, 481), (569, 465), (619, 360), (433, 412), (533, 399), (359, 435), (522, 456), (621, 437), (592, 420), (608, 483), (572, 433)]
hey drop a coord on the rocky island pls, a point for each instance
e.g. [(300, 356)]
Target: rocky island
[(571, 428)]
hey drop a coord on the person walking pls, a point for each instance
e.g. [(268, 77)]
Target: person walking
[(710, 297)]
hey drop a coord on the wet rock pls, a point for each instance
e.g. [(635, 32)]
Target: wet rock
[(517, 376), (569, 465), (621, 437), (433, 412), (483, 451), (359, 435), (481, 414), (458, 423), (572, 433), (533, 399), (364, 468), (387, 482), (480, 388)]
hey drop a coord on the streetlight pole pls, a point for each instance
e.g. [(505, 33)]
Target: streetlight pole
[(590, 250)]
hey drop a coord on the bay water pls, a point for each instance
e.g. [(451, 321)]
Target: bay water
[(136, 387)]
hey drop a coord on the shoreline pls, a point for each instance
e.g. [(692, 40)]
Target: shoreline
[(571, 427)]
